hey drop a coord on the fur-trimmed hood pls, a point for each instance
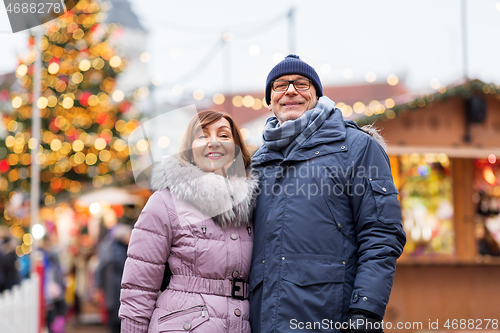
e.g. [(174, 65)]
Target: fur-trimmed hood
[(375, 133), (229, 201)]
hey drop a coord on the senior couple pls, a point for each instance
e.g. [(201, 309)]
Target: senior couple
[(268, 249)]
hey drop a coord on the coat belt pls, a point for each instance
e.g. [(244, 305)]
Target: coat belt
[(195, 284)]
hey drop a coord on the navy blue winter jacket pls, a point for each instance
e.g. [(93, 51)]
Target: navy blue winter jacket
[(328, 231)]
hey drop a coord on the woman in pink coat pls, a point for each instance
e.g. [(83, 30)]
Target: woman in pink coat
[(197, 221)]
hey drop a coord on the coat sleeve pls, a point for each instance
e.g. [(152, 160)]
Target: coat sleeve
[(378, 225), (143, 273)]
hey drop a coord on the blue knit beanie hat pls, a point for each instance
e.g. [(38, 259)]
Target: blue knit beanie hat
[(293, 65)]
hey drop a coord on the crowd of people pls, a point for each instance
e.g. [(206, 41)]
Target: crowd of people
[(61, 303)]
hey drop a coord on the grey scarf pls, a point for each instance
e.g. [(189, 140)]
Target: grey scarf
[(293, 133)]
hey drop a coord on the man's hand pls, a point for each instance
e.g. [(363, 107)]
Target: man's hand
[(364, 322)]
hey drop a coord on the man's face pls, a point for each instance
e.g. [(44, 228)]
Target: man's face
[(291, 104)]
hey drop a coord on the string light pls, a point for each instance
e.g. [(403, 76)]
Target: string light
[(257, 104), (145, 57), (392, 80), (248, 101), (358, 107), (198, 94), (218, 99), (163, 142), (53, 68), (389, 103), (237, 101), (94, 208), (118, 95), (115, 61), (21, 70), (370, 77), (157, 81), (84, 65), (17, 102), (435, 84), (177, 89)]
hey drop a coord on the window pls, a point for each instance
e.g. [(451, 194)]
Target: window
[(425, 185)]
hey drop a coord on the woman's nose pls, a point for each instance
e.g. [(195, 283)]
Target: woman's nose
[(213, 143)]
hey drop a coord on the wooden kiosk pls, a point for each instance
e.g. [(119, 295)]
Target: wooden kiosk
[(443, 149)]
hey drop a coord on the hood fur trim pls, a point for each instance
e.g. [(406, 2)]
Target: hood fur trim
[(375, 133), (229, 201)]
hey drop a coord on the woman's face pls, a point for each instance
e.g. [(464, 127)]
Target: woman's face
[(213, 147)]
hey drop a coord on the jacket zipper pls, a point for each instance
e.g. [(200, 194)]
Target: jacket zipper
[(204, 229), (183, 312)]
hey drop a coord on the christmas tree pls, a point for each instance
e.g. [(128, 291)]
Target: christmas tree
[(82, 112)]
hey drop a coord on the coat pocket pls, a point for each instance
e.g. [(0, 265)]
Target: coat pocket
[(184, 320), (386, 198), (318, 284), (309, 272)]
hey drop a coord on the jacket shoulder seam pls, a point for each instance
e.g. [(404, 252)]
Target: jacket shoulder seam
[(131, 256), (151, 231)]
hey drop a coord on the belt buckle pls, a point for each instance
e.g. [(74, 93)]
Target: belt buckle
[(238, 289)]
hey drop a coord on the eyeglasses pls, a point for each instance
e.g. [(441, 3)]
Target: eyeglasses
[(299, 84)]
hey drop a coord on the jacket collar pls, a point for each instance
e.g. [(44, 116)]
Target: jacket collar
[(229, 201), (332, 130)]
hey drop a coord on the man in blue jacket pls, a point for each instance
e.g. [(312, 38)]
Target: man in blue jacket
[(328, 226)]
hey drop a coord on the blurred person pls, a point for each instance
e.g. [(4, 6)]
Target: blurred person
[(53, 285), (327, 222), (104, 255), (109, 273), (198, 223), (24, 267), (3, 232), (9, 271)]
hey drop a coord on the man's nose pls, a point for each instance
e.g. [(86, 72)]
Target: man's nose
[(291, 89)]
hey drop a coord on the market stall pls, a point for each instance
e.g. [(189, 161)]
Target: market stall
[(444, 148)]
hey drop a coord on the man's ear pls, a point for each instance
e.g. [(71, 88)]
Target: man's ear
[(270, 108)]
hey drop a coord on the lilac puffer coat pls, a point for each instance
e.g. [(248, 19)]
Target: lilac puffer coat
[(207, 256)]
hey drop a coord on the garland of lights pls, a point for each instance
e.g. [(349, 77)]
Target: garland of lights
[(465, 90)]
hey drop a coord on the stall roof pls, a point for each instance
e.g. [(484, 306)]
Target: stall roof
[(110, 195), (414, 101)]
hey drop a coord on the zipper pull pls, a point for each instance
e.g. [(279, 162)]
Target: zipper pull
[(203, 311), (204, 229), (249, 230)]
